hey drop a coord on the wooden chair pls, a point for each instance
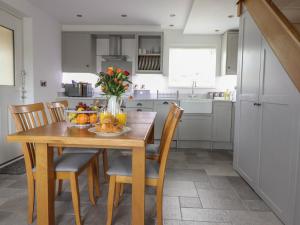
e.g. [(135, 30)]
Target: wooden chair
[(153, 150), (120, 170), (67, 167), (56, 110)]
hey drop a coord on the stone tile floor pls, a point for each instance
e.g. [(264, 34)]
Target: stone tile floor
[(201, 188)]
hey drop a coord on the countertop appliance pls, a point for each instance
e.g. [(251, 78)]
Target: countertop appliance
[(79, 89)]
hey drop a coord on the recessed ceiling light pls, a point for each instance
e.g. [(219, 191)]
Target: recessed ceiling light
[(230, 16), (172, 15), (217, 30), (79, 15), (171, 25), (124, 15)]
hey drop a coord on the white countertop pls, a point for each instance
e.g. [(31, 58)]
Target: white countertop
[(152, 97)]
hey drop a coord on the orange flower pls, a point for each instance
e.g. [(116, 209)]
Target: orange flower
[(110, 72), (119, 70), (110, 68)]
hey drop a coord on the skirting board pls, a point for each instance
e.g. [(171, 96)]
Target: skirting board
[(204, 144)]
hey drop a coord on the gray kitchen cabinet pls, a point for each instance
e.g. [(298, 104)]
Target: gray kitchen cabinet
[(149, 53), (162, 108), (230, 52), (137, 109), (222, 111), (78, 52), (267, 137), (195, 127), (139, 105)]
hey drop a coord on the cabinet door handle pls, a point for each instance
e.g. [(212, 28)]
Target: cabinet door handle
[(139, 104), (165, 103), (87, 65), (139, 110), (256, 104)]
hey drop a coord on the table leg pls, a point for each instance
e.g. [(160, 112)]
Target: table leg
[(138, 186), (45, 185), (151, 137)]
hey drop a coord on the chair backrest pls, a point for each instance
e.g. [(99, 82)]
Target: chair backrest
[(28, 117), (56, 110), (167, 122), (167, 138)]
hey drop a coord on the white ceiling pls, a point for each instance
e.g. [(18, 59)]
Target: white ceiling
[(194, 16), (108, 12), (206, 16)]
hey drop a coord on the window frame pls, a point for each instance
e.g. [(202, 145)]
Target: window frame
[(14, 58), (211, 46)]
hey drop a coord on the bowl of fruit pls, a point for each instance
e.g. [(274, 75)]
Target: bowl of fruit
[(83, 115)]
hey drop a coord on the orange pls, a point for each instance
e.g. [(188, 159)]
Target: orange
[(93, 118), (82, 119)]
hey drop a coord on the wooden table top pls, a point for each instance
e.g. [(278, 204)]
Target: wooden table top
[(62, 134)]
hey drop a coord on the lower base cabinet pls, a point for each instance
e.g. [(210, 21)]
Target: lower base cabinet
[(195, 127)]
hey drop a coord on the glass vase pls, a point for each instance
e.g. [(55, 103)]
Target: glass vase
[(114, 104)]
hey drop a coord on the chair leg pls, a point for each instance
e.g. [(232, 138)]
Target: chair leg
[(122, 190), (60, 187), (97, 177), (117, 195), (110, 200), (60, 182), (31, 191), (91, 184), (159, 205), (75, 198), (105, 164)]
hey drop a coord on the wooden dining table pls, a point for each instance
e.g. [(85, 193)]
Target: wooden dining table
[(46, 138)]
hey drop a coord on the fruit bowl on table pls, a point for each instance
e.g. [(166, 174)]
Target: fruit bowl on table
[(82, 118)]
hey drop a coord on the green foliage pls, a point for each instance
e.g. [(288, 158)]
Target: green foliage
[(114, 81)]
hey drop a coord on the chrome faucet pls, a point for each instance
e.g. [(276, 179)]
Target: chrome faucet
[(193, 89)]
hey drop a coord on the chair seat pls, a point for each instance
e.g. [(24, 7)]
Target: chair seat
[(152, 149), (71, 162), (72, 150), (122, 166)]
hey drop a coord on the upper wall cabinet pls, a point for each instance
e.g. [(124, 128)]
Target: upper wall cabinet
[(149, 53), (230, 52), (78, 52)]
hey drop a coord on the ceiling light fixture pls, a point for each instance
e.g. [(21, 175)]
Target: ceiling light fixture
[(230, 16), (172, 15), (79, 15), (171, 25), (217, 30), (124, 15)]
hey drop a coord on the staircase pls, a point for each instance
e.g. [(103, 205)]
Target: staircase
[(291, 9), (279, 22)]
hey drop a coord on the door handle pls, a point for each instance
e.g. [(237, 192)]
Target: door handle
[(139, 104), (139, 110), (165, 103), (257, 104)]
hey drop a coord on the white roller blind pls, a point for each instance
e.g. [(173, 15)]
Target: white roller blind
[(192, 64), (6, 56)]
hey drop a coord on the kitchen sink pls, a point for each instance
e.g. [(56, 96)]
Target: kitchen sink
[(193, 105)]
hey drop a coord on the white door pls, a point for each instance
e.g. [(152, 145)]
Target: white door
[(279, 141), (10, 92), (247, 114)]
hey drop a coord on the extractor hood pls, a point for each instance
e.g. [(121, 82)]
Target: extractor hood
[(115, 49)]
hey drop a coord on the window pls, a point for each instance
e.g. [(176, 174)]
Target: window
[(7, 76), (192, 64)]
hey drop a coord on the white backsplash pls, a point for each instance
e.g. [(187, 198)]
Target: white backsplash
[(154, 82)]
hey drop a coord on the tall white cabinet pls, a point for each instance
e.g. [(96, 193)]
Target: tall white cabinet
[(267, 123)]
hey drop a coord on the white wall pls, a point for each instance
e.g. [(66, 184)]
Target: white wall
[(176, 38), (42, 50)]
